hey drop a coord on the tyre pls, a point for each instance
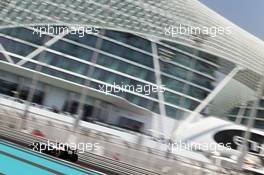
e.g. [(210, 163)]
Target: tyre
[(63, 155), (74, 158)]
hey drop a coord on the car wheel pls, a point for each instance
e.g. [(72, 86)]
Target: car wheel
[(74, 158)]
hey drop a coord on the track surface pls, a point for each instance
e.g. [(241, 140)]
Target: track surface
[(15, 159)]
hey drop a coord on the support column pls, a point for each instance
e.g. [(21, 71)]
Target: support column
[(251, 121), (70, 101), (159, 83), (20, 84), (240, 114), (84, 92), (40, 50), (30, 96)]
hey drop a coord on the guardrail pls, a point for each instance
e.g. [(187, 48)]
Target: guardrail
[(97, 160), (89, 158), (133, 160)]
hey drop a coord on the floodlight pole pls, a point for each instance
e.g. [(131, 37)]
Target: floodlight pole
[(40, 50), (159, 83), (30, 96), (207, 100), (84, 91), (240, 114)]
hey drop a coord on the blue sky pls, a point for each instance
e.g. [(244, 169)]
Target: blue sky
[(248, 14)]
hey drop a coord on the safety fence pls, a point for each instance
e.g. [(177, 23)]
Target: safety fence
[(115, 155)]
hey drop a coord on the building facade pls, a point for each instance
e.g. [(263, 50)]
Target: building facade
[(131, 48), (241, 113), (121, 59)]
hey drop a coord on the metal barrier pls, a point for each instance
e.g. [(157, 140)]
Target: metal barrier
[(132, 160), (89, 158)]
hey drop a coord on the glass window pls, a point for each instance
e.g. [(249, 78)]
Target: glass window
[(140, 101), (180, 46), (155, 107), (15, 59), (26, 35), (130, 39), (172, 98), (30, 65), (146, 89), (173, 70), (7, 87), (125, 83), (261, 103), (99, 74), (259, 124), (173, 112), (62, 62), (190, 104), (16, 47), (247, 112), (234, 111), (232, 118), (121, 94), (108, 77), (126, 68), (182, 59), (143, 102), (202, 81), (208, 57), (2, 57), (193, 51), (95, 85), (62, 75), (172, 84), (196, 92), (132, 98), (260, 114), (204, 68), (72, 50), (127, 53), (88, 40), (172, 55)]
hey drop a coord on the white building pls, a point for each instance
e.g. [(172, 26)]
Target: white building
[(132, 43)]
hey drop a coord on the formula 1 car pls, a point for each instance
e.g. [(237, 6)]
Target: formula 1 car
[(57, 150)]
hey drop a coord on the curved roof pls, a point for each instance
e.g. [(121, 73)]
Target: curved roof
[(147, 18)]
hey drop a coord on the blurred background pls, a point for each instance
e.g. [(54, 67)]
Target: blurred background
[(55, 56)]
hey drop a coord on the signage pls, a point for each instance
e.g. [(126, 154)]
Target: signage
[(236, 137)]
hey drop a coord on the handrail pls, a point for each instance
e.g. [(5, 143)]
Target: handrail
[(91, 158), (127, 169), (157, 153)]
